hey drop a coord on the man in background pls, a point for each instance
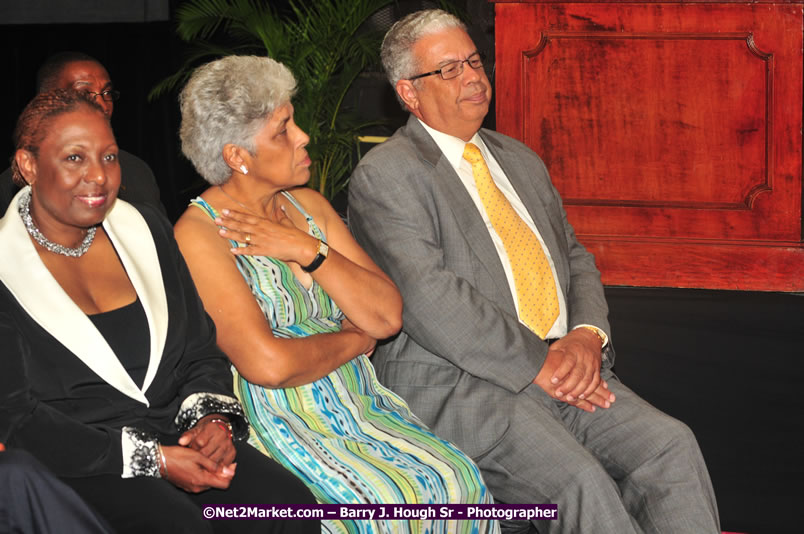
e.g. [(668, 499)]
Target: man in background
[(78, 71)]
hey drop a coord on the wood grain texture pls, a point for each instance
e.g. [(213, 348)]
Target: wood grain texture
[(672, 131)]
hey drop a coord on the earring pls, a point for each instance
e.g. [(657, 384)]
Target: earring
[(243, 169)]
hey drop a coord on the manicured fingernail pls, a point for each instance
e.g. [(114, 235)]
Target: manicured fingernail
[(554, 380), (225, 211)]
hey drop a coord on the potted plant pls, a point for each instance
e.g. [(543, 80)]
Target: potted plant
[(325, 44)]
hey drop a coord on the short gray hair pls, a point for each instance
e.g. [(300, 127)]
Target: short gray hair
[(396, 51), (228, 101)]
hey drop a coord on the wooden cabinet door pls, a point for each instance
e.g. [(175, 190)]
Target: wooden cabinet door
[(672, 131)]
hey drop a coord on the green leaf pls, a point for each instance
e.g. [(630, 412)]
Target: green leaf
[(323, 42)]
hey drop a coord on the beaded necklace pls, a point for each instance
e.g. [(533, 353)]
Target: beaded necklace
[(24, 207)]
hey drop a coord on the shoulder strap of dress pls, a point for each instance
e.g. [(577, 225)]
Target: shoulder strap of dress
[(207, 208), (311, 225), (298, 206), (204, 206)]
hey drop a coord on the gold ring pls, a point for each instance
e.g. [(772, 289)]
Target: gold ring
[(248, 238)]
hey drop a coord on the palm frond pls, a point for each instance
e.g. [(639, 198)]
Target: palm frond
[(324, 43)]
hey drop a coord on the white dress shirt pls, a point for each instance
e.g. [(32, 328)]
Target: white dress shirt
[(453, 148)]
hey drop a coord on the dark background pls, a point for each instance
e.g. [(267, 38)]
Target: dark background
[(729, 364)]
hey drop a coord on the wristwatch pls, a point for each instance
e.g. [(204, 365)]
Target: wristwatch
[(323, 250), (598, 332)]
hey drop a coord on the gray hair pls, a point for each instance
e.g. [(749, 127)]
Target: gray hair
[(396, 51), (228, 101)]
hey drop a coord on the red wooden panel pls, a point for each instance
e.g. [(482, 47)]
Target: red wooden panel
[(672, 131)]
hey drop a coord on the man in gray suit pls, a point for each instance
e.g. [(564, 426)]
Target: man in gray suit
[(537, 407)]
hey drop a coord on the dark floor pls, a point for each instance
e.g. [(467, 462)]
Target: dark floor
[(731, 366)]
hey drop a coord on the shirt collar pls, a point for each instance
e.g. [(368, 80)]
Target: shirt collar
[(453, 147)]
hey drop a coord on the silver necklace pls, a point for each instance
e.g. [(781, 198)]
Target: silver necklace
[(24, 207)]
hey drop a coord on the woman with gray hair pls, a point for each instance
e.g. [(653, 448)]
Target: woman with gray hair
[(299, 307)]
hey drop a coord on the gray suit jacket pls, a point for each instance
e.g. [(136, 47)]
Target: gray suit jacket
[(463, 359)]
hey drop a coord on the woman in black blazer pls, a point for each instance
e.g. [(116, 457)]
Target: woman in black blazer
[(110, 375)]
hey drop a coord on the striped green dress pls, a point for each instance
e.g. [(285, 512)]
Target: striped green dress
[(351, 440)]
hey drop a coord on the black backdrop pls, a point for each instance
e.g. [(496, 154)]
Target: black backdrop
[(731, 365)]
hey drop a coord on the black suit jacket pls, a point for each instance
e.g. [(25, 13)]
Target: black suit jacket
[(64, 396)]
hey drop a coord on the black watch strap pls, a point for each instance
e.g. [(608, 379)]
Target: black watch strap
[(323, 250)]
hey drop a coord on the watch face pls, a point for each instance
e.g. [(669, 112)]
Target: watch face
[(323, 249)]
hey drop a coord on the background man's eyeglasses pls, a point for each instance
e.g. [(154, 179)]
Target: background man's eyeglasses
[(453, 69), (109, 95)]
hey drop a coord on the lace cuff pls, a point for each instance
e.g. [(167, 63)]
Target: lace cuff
[(140, 453), (199, 405)]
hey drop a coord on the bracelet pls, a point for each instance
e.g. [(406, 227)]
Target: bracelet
[(224, 424), (164, 460)]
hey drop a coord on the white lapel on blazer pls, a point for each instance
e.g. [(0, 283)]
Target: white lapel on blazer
[(134, 244), (41, 296)]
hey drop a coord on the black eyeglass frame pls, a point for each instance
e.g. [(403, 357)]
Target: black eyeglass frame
[(109, 95), (458, 65)]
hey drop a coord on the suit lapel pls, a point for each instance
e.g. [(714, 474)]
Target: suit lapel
[(528, 189), (449, 186), (134, 244), (41, 296)]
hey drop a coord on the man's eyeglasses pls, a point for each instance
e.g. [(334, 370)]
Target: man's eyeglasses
[(109, 95), (453, 69)]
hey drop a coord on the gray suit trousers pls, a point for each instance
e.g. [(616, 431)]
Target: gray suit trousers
[(602, 468)]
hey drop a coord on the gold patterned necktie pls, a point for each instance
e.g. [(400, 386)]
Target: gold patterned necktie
[(533, 278)]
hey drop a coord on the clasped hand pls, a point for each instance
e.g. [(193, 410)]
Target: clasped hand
[(571, 372), (204, 457)]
